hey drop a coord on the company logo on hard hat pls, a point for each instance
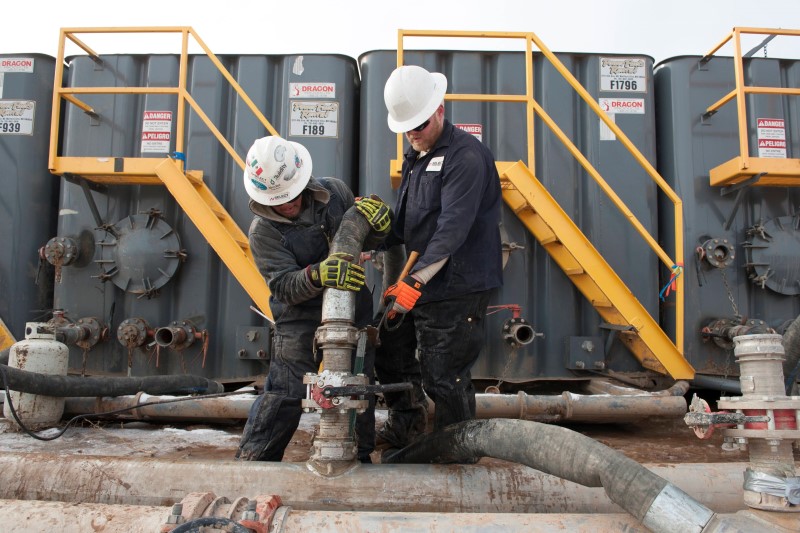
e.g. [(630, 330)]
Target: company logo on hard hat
[(255, 170)]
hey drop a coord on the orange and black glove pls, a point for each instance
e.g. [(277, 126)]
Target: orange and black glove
[(403, 295)]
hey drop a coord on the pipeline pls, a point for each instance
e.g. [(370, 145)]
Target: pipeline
[(491, 488), (659, 505), (337, 338), (73, 386), (567, 407)]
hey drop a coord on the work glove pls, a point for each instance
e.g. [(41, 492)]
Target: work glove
[(337, 272), (376, 212), (403, 295)]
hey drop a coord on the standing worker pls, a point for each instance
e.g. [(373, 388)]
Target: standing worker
[(296, 217), (448, 210)]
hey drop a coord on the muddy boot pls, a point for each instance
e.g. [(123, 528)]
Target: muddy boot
[(403, 426)]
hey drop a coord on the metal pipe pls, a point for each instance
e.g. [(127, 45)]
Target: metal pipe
[(566, 407), (68, 517), (33, 516), (337, 337), (495, 488)]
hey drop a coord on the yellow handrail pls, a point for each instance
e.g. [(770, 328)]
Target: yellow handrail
[(741, 89), (69, 93), (533, 108)]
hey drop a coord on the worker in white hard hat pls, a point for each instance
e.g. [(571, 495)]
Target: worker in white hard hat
[(296, 217), (448, 210)]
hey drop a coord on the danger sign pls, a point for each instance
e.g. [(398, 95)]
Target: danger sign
[(156, 131), (474, 129), (771, 137)]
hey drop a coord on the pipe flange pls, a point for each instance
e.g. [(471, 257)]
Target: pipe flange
[(518, 332), (93, 330), (718, 252), (133, 332), (329, 335), (61, 251)]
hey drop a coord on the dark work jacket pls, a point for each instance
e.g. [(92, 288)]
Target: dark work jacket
[(283, 248), (449, 206)]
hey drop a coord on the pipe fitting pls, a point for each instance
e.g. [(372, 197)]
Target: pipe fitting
[(518, 332), (134, 332), (178, 335)]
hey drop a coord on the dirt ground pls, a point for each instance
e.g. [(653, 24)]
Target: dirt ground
[(650, 441)]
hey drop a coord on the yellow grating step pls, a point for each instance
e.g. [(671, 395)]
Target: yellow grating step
[(591, 274), (196, 200)]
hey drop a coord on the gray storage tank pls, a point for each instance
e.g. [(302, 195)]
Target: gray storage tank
[(548, 300), (742, 245), (28, 208), (166, 275)]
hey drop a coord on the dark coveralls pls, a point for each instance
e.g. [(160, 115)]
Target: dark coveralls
[(282, 250), (448, 207)]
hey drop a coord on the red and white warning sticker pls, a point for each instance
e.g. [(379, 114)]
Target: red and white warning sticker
[(156, 131), (474, 129), (771, 137)]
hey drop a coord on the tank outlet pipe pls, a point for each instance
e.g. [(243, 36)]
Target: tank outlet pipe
[(337, 337), (74, 386), (179, 335), (134, 332), (656, 503)]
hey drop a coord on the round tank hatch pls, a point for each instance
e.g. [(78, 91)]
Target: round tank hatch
[(775, 255), (141, 255)]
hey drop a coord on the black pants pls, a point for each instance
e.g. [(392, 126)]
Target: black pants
[(275, 414), (449, 336)]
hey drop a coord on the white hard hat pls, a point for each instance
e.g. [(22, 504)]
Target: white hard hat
[(276, 170), (412, 94)]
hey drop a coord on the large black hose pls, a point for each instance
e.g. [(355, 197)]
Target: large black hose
[(791, 347), (74, 386), (352, 232), (551, 449)]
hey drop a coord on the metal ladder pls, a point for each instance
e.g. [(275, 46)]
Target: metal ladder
[(590, 273)]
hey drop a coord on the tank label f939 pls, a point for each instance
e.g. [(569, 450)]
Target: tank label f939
[(623, 74)]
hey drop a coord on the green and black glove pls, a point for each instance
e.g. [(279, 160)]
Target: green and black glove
[(337, 272), (376, 212)]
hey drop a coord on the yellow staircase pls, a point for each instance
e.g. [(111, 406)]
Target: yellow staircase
[(187, 187), (559, 235), (590, 273)]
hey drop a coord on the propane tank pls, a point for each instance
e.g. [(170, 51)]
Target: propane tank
[(40, 352)]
